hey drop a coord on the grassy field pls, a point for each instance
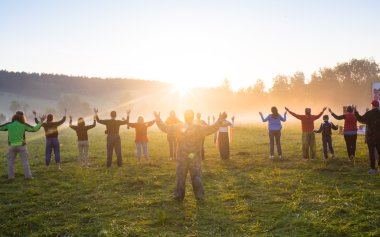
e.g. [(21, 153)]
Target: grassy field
[(248, 195)]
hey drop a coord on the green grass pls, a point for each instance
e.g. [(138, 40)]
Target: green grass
[(248, 195)]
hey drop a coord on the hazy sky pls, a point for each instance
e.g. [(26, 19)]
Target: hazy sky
[(197, 43)]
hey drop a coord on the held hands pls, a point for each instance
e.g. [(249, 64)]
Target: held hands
[(96, 111), (286, 108), (156, 115), (42, 118)]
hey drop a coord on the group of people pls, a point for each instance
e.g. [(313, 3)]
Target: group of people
[(186, 139), (351, 117)]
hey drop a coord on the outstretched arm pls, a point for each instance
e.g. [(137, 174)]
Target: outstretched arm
[(361, 118), (337, 117), (297, 116), (161, 125), (208, 130), (60, 122), (262, 117), (4, 127), (123, 122), (319, 130), (71, 123), (150, 123), (283, 119), (320, 114), (333, 126), (92, 125), (37, 127)]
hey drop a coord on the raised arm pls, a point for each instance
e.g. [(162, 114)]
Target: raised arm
[(104, 122), (150, 123), (297, 116), (123, 122), (337, 117), (361, 118), (283, 119), (262, 117), (60, 122), (208, 130), (320, 114), (161, 125), (92, 125), (71, 123), (37, 127)]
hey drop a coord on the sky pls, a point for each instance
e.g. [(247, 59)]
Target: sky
[(189, 43)]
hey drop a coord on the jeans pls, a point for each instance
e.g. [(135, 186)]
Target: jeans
[(12, 153), (275, 134), (113, 143), (372, 155), (194, 167), (83, 152), (308, 144), (144, 146), (351, 144), (327, 141), (52, 143), (172, 146)]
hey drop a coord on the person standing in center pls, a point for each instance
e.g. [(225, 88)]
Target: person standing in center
[(308, 136), (172, 120), (274, 126), (349, 131), (113, 137), (189, 159), (52, 142)]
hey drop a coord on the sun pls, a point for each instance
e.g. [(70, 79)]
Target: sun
[(182, 89)]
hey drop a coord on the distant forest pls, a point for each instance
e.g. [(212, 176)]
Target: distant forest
[(346, 83)]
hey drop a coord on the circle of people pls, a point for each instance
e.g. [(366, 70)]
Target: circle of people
[(186, 139)]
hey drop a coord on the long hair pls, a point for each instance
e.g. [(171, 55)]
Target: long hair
[(19, 118), (274, 112)]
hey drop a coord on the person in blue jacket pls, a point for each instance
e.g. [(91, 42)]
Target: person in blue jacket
[(274, 126)]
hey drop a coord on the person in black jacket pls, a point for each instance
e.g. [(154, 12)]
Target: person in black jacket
[(51, 134), (325, 128), (372, 119), (113, 137), (81, 130)]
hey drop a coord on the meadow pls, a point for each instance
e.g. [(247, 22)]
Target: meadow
[(248, 195)]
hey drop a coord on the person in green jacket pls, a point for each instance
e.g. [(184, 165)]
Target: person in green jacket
[(16, 141)]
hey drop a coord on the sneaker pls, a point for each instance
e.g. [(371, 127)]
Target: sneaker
[(305, 159), (280, 157), (333, 156), (372, 171), (351, 157), (271, 157), (29, 178), (58, 166)]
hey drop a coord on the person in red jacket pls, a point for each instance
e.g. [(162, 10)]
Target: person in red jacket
[(141, 139), (308, 136), (350, 130)]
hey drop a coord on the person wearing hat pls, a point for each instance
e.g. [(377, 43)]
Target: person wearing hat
[(349, 130), (308, 136), (17, 143), (372, 119), (325, 128)]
